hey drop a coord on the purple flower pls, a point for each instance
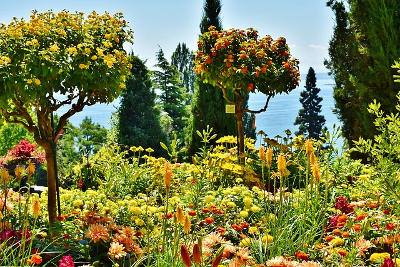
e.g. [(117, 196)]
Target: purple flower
[(388, 262), (342, 205)]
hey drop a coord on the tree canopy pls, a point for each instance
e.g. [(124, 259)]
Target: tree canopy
[(58, 59)]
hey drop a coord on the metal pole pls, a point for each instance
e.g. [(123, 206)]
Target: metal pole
[(54, 146)]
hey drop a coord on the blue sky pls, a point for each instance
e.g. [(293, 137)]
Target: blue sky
[(306, 24)]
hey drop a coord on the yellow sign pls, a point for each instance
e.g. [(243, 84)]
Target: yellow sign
[(230, 109)]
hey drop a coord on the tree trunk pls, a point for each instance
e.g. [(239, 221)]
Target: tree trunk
[(51, 184), (239, 121)]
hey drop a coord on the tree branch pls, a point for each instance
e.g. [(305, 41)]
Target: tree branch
[(261, 110), (230, 101), (80, 104)]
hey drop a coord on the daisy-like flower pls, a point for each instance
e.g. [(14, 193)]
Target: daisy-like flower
[(116, 251), (362, 245), (97, 232)]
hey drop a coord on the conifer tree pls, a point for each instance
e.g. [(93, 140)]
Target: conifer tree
[(310, 121), (208, 103), (182, 59), (138, 116), (172, 94), (364, 45)]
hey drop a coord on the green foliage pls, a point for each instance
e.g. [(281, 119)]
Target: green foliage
[(91, 137), (138, 115), (208, 104), (172, 95), (365, 42), (11, 134), (310, 121), (182, 59), (384, 150)]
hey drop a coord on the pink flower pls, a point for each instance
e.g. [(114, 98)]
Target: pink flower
[(67, 261)]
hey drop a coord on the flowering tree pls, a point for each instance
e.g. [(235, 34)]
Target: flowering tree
[(56, 60), (240, 61)]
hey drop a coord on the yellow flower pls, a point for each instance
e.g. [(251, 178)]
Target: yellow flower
[(244, 214), (19, 172), (281, 164), (376, 257), (247, 201), (267, 239), (336, 242), (135, 210), (5, 176), (108, 36), (37, 81), (54, 48), (36, 208), (99, 52), (94, 57), (245, 242), (167, 175), (261, 153), (149, 150), (208, 199), (29, 81), (87, 50), (139, 222), (122, 85), (30, 170), (255, 209), (308, 145), (253, 230), (83, 66)]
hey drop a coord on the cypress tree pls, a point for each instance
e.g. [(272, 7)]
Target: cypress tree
[(138, 116), (172, 94), (208, 103), (182, 59), (309, 119), (365, 43)]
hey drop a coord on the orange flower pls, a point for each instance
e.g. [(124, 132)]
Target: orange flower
[(36, 208), (316, 171), (342, 252), (187, 225), (261, 153), (357, 227), (116, 251), (196, 254), (179, 215), (268, 157), (345, 234), (336, 231), (97, 232), (342, 219), (18, 173), (5, 177), (329, 238), (192, 213), (35, 259), (167, 175), (30, 170), (361, 217), (301, 255), (209, 220)]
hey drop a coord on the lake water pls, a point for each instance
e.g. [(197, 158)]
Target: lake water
[(280, 115)]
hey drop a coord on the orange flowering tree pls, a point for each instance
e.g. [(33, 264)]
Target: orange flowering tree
[(239, 61), (59, 59)]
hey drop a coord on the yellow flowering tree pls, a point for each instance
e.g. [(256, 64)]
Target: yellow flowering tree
[(55, 60)]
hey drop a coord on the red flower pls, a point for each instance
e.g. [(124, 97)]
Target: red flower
[(66, 261), (192, 213), (80, 183), (250, 87), (236, 227), (301, 255), (264, 69), (191, 205), (185, 256), (386, 212), (389, 226), (205, 210), (244, 225), (221, 230), (209, 220), (217, 260), (388, 262), (361, 217), (196, 254)]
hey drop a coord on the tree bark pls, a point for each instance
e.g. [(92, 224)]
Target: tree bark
[(51, 184), (239, 121)]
